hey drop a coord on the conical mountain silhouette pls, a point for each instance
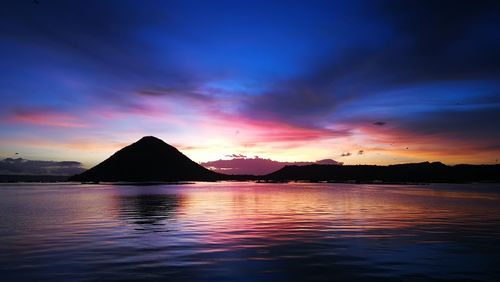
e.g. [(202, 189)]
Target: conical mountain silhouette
[(149, 159)]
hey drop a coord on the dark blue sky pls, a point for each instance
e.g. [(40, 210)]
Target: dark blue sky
[(290, 80)]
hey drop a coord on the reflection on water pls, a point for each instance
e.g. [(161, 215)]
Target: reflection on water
[(248, 231), (149, 209)]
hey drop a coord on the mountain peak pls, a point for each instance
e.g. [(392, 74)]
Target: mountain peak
[(150, 138)]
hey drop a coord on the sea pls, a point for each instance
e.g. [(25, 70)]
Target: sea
[(245, 231)]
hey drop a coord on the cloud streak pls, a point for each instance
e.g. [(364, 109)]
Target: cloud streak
[(45, 116)]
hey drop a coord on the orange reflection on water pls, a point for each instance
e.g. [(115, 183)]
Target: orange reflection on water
[(250, 230), (281, 212)]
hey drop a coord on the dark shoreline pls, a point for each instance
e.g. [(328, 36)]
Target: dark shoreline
[(32, 180), (413, 173)]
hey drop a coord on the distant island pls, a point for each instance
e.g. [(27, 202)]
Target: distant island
[(152, 160)]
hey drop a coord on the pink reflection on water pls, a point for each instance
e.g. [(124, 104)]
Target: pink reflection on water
[(233, 213)]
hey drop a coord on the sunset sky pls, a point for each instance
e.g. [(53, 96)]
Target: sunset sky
[(359, 82)]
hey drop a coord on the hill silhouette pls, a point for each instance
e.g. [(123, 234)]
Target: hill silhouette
[(149, 159), (412, 172)]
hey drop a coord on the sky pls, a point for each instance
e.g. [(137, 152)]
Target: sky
[(358, 82)]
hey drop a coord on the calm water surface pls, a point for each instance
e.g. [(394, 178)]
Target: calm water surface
[(248, 231)]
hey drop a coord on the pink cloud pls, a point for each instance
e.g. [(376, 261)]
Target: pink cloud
[(256, 165), (45, 116), (267, 131)]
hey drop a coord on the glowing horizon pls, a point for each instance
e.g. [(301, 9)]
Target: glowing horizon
[(328, 80)]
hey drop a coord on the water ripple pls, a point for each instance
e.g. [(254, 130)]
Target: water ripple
[(248, 231)]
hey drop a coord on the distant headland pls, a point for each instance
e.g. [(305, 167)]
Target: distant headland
[(152, 160)]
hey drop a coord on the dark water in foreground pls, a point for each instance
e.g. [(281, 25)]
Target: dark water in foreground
[(247, 231)]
